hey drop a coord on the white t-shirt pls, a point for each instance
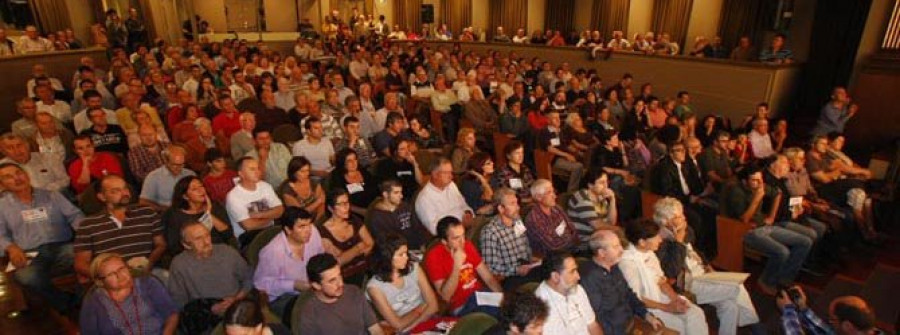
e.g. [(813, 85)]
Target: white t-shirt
[(569, 314), (434, 204), (240, 202), (319, 154), (59, 109), (642, 271)]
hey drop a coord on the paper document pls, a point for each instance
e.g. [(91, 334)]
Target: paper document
[(726, 277), (489, 298), (10, 267)]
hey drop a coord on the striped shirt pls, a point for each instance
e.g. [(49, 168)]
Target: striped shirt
[(583, 210), (100, 233)]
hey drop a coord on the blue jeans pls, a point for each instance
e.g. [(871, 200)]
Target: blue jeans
[(471, 306), (37, 276), (785, 249)]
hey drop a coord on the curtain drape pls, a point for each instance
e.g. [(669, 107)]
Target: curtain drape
[(560, 16), (672, 17), (749, 18), (509, 14), (837, 27), (406, 14), (610, 15), (457, 14), (50, 15)]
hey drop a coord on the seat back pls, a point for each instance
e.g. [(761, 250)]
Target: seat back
[(647, 200), (259, 242), (295, 312), (500, 142), (473, 324), (730, 237), (543, 161)]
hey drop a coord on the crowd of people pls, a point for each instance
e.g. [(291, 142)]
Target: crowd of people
[(201, 184)]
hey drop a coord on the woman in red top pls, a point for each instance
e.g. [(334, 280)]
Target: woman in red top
[(536, 118), (91, 165), (220, 179)]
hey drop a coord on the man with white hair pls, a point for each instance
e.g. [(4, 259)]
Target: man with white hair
[(284, 97), (549, 228), (242, 140), (440, 197), (731, 300)]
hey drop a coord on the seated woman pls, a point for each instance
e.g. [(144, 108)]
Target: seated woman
[(245, 317), (190, 203), (844, 163), (475, 186), (707, 131), (515, 174), (465, 148), (345, 237), (576, 135), (425, 138), (300, 190), (121, 304), (644, 274), (731, 300), (399, 290), (357, 182), (185, 131)]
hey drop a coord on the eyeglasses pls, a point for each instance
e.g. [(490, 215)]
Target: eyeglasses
[(117, 273), (342, 203)]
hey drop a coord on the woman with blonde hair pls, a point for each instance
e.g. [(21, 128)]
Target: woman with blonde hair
[(122, 304)]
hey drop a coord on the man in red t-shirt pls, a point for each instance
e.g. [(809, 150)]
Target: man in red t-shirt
[(228, 121), (454, 267)]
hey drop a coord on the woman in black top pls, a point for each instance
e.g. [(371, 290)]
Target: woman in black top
[(346, 237), (347, 175), (191, 203), (474, 184)]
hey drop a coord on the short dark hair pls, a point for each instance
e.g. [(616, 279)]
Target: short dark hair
[(392, 117), (245, 313), (682, 93), (318, 264), (445, 224), (512, 146), (292, 215), (350, 119), (748, 171), (859, 318), (239, 164), (296, 163), (641, 229), (212, 154), (477, 160), (309, 121), (522, 308), (333, 194), (260, 130), (555, 262), (91, 94), (389, 184)]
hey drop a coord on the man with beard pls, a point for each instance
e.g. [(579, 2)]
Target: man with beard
[(392, 215), (334, 308), (570, 311), (131, 230)]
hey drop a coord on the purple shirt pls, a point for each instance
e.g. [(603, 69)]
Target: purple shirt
[(150, 301), (278, 269)]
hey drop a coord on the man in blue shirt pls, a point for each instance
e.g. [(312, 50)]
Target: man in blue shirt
[(36, 228)]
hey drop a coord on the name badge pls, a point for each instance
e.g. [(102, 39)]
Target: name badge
[(35, 215), (354, 188), (519, 228), (515, 183), (554, 142), (561, 228), (404, 173)]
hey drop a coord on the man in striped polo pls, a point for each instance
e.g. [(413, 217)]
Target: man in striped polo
[(131, 230)]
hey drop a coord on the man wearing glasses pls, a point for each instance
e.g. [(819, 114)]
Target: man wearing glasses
[(157, 190), (570, 310)]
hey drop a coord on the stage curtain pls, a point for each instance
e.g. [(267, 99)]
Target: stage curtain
[(510, 14), (51, 15), (560, 16), (610, 15), (673, 17), (749, 18), (406, 15), (457, 14)]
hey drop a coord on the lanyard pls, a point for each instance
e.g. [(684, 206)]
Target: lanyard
[(137, 316)]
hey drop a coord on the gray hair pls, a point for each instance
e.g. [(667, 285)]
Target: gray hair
[(597, 240), (540, 187), (501, 194), (665, 209), (201, 121), (793, 153), (187, 225)]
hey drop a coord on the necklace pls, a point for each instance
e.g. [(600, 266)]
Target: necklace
[(134, 303)]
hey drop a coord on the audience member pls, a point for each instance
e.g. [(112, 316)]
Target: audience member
[(346, 237), (400, 291), (334, 308), (440, 197), (252, 204), (570, 311), (156, 192), (43, 169), (390, 214), (191, 203), (90, 165)]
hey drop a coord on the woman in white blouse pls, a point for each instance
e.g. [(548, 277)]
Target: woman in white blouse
[(645, 276)]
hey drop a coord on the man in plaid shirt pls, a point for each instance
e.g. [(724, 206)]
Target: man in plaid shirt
[(504, 244)]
